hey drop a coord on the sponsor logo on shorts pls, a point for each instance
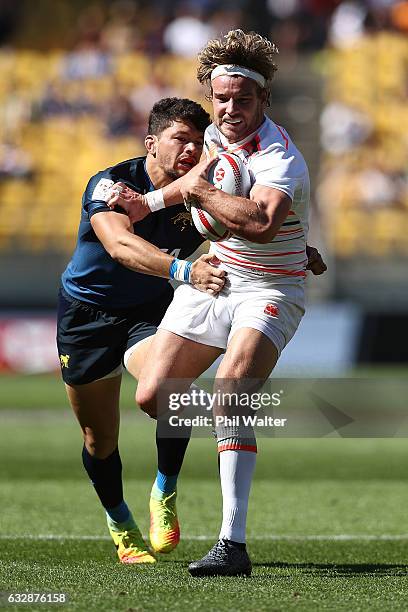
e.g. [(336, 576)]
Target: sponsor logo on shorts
[(183, 218), (64, 361), (272, 310)]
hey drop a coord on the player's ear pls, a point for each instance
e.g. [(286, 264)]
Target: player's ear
[(151, 144), (264, 95)]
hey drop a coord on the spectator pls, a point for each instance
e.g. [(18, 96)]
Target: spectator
[(343, 128), (15, 111), (121, 33), (53, 102), (86, 62), (14, 162), (378, 188), (347, 24), (143, 98), (120, 118), (187, 34)]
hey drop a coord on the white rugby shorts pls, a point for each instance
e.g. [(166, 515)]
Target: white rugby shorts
[(276, 311)]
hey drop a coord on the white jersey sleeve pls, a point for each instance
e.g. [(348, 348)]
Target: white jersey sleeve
[(275, 168), (273, 161)]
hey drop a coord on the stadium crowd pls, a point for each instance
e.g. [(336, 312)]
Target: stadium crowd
[(82, 93), (363, 190)]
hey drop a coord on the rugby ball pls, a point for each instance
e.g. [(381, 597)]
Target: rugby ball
[(229, 174)]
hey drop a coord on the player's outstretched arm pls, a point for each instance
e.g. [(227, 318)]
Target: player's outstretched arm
[(137, 206), (134, 204), (115, 231)]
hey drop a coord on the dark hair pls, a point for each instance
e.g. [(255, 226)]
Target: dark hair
[(167, 110)]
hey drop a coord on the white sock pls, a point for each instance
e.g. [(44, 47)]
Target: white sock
[(236, 470)]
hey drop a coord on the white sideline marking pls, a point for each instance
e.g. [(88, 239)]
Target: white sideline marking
[(344, 537)]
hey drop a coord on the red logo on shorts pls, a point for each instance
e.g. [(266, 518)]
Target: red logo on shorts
[(219, 174), (272, 310)]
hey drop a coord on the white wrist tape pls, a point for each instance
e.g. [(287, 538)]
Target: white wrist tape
[(155, 200)]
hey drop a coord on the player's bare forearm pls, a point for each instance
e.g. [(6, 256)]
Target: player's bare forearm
[(116, 234), (146, 258), (241, 216), (172, 194), (140, 256), (136, 204), (133, 252), (257, 219)]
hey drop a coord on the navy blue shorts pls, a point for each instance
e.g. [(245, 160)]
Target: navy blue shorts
[(91, 341)]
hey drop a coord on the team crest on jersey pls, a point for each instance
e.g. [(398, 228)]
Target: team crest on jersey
[(64, 361), (271, 310), (184, 219)]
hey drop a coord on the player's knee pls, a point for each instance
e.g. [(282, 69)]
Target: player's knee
[(146, 399), (100, 446)]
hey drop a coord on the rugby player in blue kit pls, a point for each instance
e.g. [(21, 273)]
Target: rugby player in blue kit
[(115, 291)]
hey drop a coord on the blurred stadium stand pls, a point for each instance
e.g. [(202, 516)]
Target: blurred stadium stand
[(77, 83), (363, 189)]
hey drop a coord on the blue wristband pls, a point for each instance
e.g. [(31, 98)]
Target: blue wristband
[(173, 267), (180, 270)]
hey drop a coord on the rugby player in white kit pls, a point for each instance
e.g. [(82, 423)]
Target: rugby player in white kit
[(256, 314)]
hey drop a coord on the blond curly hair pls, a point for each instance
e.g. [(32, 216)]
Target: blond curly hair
[(247, 49)]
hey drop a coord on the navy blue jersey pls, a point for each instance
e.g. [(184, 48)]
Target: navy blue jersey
[(93, 276)]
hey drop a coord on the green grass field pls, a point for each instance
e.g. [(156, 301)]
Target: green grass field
[(328, 526)]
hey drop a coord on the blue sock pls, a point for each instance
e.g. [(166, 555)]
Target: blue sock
[(164, 484), (119, 514)]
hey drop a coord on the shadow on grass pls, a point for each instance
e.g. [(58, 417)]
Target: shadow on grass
[(349, 569)]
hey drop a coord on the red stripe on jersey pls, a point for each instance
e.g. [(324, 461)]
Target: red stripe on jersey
[(266, 268), (285, 138), (251, 147), (245, 264), (263, 254)]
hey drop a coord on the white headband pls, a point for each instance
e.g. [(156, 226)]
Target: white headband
[(232, 69)]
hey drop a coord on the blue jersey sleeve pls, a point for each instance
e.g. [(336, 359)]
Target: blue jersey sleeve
[(92, 275)]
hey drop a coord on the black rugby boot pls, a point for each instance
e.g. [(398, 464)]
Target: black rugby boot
[(226, 558)]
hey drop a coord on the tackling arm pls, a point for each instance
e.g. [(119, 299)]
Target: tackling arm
[(115, 232)]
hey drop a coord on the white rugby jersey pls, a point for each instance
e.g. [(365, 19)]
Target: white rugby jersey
[(273, 161)]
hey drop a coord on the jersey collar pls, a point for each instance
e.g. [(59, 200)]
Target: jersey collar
[(241, 143), (151, 187)]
